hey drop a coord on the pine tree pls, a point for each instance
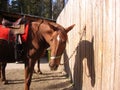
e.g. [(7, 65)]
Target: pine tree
[(42, 8), (4, 5)]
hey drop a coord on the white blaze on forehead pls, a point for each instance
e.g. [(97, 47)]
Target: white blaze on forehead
[(58, 37)]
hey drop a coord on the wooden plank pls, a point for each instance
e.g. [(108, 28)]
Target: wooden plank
[(117, 43), (100, 49), (78, 67), (109, 48), (82, 44), (89, 64), (106, 62), (99, 44), (95, 40), (112, 41)]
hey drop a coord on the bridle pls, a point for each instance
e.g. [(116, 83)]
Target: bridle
[(55, 57), (58, 56)]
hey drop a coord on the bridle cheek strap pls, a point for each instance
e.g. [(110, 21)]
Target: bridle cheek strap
[(55, 57)]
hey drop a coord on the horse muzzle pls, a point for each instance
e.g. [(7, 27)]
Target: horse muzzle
[(53, 67), (54, 62)]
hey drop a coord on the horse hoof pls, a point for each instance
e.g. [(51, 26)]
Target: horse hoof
[(40, 72), (4, 82), (37, 72)]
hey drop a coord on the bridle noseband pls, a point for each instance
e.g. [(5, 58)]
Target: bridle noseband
[(55, 57)]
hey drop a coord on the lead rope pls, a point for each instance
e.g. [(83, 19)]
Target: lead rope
[(83, 33)]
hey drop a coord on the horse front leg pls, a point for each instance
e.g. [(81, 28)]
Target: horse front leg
[(2, 73), (29, 67)]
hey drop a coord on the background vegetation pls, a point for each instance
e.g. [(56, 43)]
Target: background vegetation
[(43, 8)]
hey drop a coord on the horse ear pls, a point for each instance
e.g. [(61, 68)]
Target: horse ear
[(53, 26), (69, 28)]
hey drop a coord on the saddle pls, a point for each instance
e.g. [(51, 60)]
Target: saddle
[(16, 27)]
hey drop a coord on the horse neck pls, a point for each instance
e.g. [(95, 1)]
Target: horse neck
[(42, 41), (46, 37), (46, 34)]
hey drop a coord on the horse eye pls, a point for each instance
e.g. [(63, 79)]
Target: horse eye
[(51, 39), (64, 42)]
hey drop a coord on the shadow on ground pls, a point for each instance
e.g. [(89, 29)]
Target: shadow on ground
[(49, 80)]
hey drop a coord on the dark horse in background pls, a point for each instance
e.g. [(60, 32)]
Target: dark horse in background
[(41, 35)]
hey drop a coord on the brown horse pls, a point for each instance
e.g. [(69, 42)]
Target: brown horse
[(41, 35)]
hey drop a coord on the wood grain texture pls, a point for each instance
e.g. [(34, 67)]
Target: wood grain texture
[(96, 63)]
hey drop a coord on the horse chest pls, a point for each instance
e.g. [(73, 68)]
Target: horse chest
[(36, 52)]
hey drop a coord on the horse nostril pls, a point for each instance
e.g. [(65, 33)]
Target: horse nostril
[(56, 67), (51, 64)]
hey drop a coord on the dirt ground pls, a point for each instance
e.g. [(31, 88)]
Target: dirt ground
[(49, 80)]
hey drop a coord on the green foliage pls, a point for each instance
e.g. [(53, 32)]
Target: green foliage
[(33, 7), (42, 8)]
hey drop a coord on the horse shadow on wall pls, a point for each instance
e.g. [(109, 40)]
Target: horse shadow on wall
[(83, 65)]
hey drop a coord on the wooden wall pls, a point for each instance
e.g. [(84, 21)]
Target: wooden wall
[(95, 64)]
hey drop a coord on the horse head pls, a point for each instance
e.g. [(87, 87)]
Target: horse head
[(57, 44)]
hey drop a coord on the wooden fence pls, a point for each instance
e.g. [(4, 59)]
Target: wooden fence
[(95, 65)]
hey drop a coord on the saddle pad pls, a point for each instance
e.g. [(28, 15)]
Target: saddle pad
[(4, 32), (24, 36)]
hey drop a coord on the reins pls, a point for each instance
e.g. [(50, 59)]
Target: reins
[(82, 34)]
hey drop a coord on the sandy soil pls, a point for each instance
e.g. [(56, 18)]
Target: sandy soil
[(49, 80)]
